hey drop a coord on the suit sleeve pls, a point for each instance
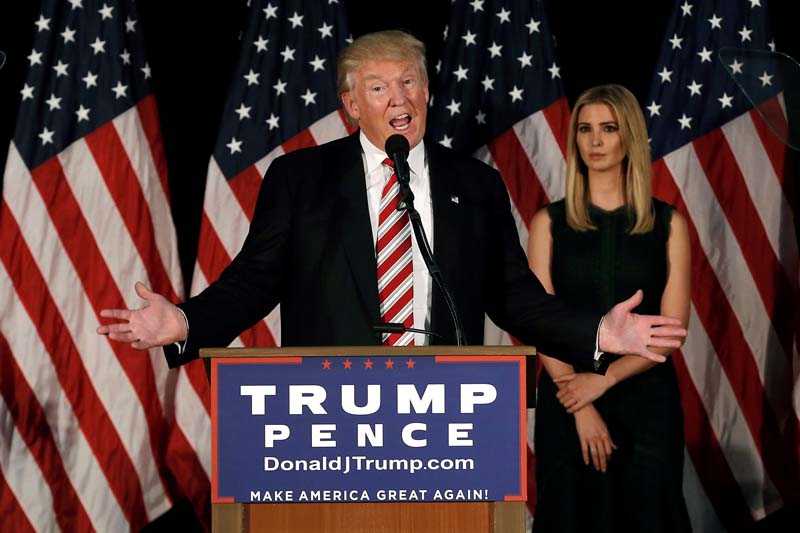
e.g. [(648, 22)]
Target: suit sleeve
[(250, 287), (517, 301)]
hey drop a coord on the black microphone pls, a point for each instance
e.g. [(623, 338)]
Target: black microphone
[(397, 149), (397, 327)]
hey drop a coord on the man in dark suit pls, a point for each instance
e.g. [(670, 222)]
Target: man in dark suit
[(312, 242)]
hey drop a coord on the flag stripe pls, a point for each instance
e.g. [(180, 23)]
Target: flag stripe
[(243, 185), (14, 518), (725, 177), (78, 242), (542, 146), (92, 417), (717, 317), (519, 176), (21, 404), (148, 114), (558, 117), (120, 178)]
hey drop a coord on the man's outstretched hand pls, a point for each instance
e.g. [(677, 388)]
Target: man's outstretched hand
[(627, 333), (157, 323)]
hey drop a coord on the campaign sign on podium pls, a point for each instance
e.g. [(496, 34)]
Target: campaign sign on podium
[(368, 429)]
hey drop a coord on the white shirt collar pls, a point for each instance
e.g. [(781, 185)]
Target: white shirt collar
[(374, 156)]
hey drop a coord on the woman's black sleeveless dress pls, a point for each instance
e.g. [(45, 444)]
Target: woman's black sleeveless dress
[(642, 488)]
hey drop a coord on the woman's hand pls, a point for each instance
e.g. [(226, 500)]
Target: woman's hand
[(578, 390), (595, 440)]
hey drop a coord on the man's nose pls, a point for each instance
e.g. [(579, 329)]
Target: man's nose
[(397, 94)]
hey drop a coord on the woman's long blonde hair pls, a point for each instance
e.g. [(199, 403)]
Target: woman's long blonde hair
[(636, 167)]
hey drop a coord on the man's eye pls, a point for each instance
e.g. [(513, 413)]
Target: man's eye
[(409, 81)]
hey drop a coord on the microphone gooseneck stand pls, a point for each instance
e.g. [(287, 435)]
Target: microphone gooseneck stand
[(397, 148)]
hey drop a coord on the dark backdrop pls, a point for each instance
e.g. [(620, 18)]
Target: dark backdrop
[(192, 49)]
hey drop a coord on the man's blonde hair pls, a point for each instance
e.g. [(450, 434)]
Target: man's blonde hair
[(636, 167), (392, 45)]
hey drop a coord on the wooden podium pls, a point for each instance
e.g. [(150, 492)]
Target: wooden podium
[(383, 517)]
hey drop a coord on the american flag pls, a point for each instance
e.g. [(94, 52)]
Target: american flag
[(499, 96), (717, 160), (282, 97), (95, 436)]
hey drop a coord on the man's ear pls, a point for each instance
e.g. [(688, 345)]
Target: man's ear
[(350, 105)]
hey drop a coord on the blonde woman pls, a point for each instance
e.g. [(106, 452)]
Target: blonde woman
[(610, 447)]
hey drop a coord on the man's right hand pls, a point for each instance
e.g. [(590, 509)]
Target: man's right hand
[(157, 323)]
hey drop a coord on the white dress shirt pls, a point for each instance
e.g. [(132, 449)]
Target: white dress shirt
[(376, 175)]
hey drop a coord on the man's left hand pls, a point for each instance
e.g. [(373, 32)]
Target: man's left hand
[(625, 332)]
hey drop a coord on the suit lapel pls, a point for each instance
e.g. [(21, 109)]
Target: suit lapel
[(356, 234), (446, 223)]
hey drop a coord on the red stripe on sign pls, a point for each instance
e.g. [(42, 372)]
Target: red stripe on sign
[(101, 290), (31, 422), (148, 115), (304, 139), (732, 350), (245, 186), (709, 462), (519, 176), (730, 188), (124, 187), (14, 518), (557, 115), (73, 377)]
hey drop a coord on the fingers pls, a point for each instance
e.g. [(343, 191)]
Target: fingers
[(667, 331), (123, 336), (656, 357), (564, 379), (122, 327), (631, 303), (119, 314), (144, 291), (585, 451), (658, 342)]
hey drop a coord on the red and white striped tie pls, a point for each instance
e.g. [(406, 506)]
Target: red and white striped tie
[(395, 267)]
